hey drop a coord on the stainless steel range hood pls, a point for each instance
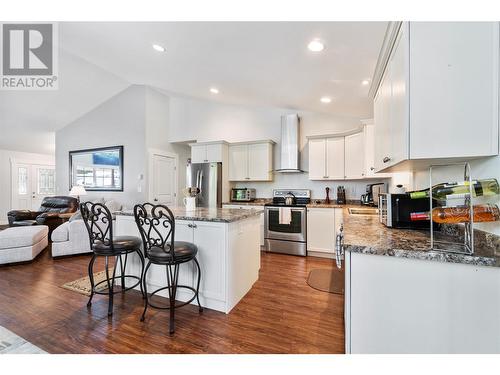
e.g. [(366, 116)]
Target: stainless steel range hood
[(290, 157)]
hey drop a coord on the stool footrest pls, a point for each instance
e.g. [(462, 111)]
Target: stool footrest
[(177, 305), (106, 291)]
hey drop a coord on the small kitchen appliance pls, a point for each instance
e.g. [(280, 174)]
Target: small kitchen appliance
[(243, 195), (395, 209), (371, 197)]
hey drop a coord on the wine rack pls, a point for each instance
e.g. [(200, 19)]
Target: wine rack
[(467, 247)]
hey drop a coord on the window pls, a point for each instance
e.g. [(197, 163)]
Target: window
[(46, 181), (22, 180)]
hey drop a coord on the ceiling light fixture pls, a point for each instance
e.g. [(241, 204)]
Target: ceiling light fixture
[(214, 90), (316, 45), (326, 99), (158, 48), (365, 82)]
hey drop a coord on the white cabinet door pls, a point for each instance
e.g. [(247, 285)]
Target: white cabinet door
[(454, 100), (369, 146), (214, 153), (259, 157), (335, 158), (321, 230), (210, 238), (183, 232), (317, 159), (355, 156), (238, 162), (398, 101), (199, 154), (247, 207)]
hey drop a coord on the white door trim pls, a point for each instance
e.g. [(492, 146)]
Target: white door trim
[(151, 153)]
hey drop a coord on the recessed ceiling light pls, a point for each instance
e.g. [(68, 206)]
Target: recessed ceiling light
[(214, 90), (316, 45), (365, 82), (158, 48), (325, 99)]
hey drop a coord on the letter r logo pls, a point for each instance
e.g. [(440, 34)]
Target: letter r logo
[(27, 49)]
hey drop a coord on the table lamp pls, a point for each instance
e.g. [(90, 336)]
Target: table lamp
[(77, 191)]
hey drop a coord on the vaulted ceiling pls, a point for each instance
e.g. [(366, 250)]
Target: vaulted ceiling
[(250, 63)]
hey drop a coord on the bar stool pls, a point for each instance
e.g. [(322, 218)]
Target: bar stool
[(99, 223), (156, 224)]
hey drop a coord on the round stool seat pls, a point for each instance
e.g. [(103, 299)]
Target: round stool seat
[(183, 252), (121, 244)]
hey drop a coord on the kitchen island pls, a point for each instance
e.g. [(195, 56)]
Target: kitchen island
[(228, 252), (402, 297)]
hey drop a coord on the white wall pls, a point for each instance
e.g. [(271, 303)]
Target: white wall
[(158, 133), (482, 168), (6, 156), (118, 121), (201, 120)]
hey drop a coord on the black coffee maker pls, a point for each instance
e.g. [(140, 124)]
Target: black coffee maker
[(370, 198)]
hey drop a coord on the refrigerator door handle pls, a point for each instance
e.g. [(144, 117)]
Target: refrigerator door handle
[(201, 181), (198, 180)]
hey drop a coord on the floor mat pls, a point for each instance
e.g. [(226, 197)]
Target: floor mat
[(327, 280)]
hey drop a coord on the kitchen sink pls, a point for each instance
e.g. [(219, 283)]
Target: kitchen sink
[(363, 211)]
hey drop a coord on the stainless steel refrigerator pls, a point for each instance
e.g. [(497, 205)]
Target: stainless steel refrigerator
[(207, 177)]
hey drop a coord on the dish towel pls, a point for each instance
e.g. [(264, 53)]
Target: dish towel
[(285, 215)]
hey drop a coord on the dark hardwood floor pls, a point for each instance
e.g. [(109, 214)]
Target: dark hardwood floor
[(281, 314)]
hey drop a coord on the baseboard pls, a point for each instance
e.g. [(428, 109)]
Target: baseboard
[(319, 254)]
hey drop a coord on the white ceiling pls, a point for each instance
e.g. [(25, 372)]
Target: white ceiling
[(265, 64), (254, 63)]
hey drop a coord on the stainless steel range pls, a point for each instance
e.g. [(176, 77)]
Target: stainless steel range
[(285, 222)]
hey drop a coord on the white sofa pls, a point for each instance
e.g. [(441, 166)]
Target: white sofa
[(70, 238), (22, 244)]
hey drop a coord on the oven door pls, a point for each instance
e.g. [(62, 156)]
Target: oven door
[(295, 231)]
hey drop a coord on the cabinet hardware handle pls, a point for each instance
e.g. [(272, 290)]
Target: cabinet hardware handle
[(194, 226), (325, 176), (372, 168), (386, 159)]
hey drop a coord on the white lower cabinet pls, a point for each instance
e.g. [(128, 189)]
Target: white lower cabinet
[(321, 229), (398, 305), (228, 254), (248, 207)]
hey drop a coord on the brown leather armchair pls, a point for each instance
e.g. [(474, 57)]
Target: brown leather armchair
[(48, 214)]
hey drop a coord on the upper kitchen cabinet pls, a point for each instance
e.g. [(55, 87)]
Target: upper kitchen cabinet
[(437, 97), (326, 158), (251, 161), (208, 152), (354, 156)]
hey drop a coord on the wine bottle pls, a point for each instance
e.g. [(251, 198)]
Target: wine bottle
[(486, 187), (460, 214)]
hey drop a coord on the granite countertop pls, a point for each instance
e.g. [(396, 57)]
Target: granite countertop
[(319, 203), (220, 215), (364, 234), (256, 202)]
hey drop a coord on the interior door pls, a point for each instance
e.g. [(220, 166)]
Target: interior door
[(163, 180)]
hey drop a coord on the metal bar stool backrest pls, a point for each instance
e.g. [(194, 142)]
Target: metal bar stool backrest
[(99, 223), (156, 224)]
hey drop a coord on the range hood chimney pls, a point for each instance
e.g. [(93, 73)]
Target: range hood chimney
[(289, 161)]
